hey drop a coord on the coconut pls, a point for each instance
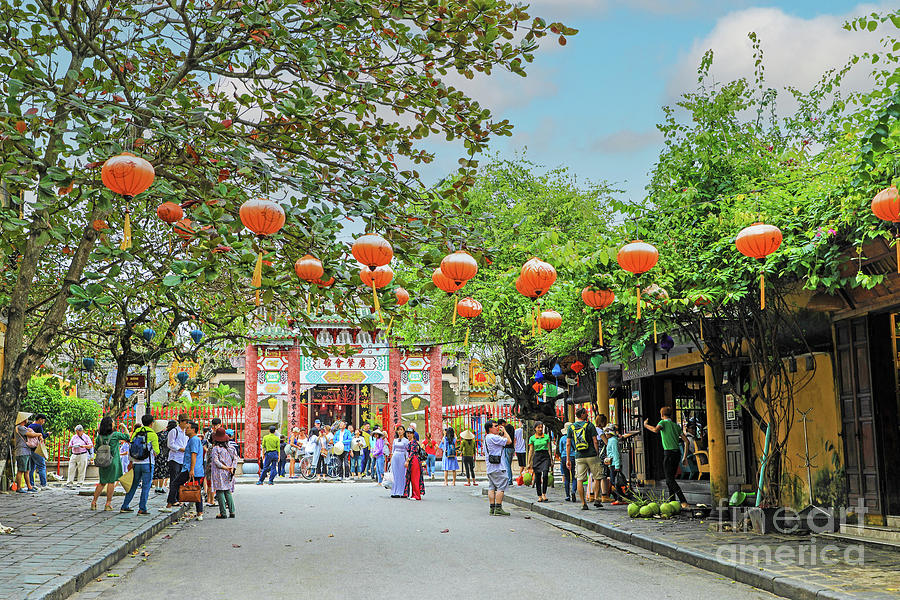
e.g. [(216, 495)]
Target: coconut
[(654, 508), (633, 510), (646, 511), (666, 510), (676, 506)]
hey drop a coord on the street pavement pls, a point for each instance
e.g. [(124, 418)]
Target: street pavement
[(327, 540)]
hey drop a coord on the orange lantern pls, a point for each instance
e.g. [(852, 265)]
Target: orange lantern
[(758, 241), (886, 206), (378, 278), (127, 175), (443, 282), (169, 212), (183, 229), (402, 296), (638, 257), (325, 284), (598, 299), (263, 217), (523, 289), (550, 320), (372, 250), (537, 387), (468, 308), (309, 268), (459, 266), (537, 276)]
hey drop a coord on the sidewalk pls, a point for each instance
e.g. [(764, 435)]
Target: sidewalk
[(787, 565), (58, 544)]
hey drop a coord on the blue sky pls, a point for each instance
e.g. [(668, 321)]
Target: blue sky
[(593, 105)]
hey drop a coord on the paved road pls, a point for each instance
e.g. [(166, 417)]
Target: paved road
[(325, 540)]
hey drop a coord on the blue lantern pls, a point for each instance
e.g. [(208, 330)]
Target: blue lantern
[(556, 370), (196, 335), (538, 376), (148, 334), (182, 377), (88, 363), (666, 343)]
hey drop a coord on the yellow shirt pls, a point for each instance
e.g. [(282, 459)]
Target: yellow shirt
[(271, 442)]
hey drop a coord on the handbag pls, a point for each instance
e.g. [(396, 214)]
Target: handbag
[(190, 491), (495, 459), (127, 480), (32, 442), (41, 449)]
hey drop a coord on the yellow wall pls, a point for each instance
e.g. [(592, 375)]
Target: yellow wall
[(825, 447)]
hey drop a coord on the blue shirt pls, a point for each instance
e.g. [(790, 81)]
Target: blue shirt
[(38, 428), (612, 451), (194, 446), (562, 445)]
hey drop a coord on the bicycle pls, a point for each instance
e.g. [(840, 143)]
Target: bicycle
[(305, 468)]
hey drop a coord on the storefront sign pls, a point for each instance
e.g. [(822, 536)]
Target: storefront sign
[(729, 407), (641, 366), (135, 382)]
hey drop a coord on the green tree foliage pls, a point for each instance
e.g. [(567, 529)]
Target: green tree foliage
[(63, 412)]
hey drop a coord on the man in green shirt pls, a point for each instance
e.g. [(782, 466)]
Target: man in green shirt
[(670, 433), (271, 446), (582, 442)]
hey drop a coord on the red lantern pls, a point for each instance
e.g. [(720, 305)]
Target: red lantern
[(443, 282), (402, 296), (537, 276), (468, 308), (169, 212), (127, 175), (598, 299), (537, 387), (577, 366), (459, 266), (550, 320), (886, 205), (378, 278), (262, 217), (758, 241), (638, 257), (309, 268), (372, 250), (183, 229), (325, 284)]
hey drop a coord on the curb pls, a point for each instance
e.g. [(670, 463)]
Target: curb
[(126, 547), (787, 587)]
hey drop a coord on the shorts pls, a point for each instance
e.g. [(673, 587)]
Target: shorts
[(498, 481), (520, 456), (591, 465), (23, 462)]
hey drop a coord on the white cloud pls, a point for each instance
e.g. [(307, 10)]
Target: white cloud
[(626, 141), (796, 51), (552, 9)]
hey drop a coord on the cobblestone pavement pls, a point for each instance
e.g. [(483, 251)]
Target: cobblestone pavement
[(58, 543), (825, 568)]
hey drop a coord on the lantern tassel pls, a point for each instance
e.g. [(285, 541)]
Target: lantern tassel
[(126, 233), (762, 291), (308, 302), (455, 302), (638, 302), (377, 304), (654, 331), (599, 332), (467, 337), (701, 329), (257, 272), (897, 248), (257, 297), (390, 324)]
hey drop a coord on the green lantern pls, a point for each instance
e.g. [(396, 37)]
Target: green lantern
[(552, 390), (596, 361)]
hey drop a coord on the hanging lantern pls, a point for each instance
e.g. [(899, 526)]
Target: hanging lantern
[(169, 212), (182, 377), (758, 241), (886, 206), (378, 278), (537, 387), (416, 401), (538, 376), (526, 291), (538, 276), (148, 334), (325, 284), (196, 335), (552, 390), (577, 366), (402, 296), (127, 175), (309, 268), (596, 361), (666, 343), (556, 371), (372, 250), (273, 402), (637, 257), (183, 229), (550, 320), (468, 308), (459, 266), (598, 299), (443, 282), (87, 363), (263, 217)]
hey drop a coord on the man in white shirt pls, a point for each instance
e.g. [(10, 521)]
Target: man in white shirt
[(80, 447), (177, 442)]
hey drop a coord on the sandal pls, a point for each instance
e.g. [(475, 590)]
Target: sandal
[(107, 507), (221, 517), (93, 506)]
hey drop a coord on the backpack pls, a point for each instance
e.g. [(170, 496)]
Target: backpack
[(103, 458), (579, 437), (140, 447)]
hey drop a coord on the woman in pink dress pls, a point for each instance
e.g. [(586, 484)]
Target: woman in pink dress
[(223, 461)]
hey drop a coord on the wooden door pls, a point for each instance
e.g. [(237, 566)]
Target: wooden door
[(857, 413), (734, 443)]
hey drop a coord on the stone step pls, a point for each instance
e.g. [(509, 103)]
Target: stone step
[(893, 521), (887, 534), (868, 541)]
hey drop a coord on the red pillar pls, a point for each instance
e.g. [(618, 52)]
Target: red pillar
[(296, 407), (394, 391), (436, 403), (251, 406)]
